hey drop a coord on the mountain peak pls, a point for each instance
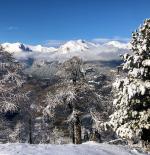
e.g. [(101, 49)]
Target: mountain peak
[(15, 47), (73, 45)]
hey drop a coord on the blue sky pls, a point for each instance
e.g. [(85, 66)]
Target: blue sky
[(52, 21)]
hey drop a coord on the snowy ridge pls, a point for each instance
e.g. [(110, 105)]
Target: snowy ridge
[(89, 148), (40, 48), (19, 47), (84, 49), (15, 47), (72, 46), (118, 44)]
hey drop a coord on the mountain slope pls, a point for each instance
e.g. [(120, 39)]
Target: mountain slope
[(118, 44)]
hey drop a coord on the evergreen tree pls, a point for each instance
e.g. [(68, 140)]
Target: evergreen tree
[(131, 118), (11, 80)]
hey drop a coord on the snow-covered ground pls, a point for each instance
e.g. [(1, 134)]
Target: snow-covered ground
[(89, 148)]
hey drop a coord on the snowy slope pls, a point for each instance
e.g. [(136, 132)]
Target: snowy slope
[(70, 149), (40, 48), (19, 47), (15, 47), (90, 51), (118, 44), (22, 51), (84, 49), (76, 46)]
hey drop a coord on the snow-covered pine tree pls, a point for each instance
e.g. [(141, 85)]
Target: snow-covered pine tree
[(131, 118), (11, 81)]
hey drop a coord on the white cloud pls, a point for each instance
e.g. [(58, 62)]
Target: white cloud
[(104, 40), (11, 28)]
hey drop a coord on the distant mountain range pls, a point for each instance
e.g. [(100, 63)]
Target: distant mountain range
[(84, 49)]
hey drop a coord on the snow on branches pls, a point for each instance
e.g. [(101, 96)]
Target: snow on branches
[(62, 96), (132, 101), (11, 80)]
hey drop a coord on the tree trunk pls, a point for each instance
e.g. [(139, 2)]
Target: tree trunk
[(30, 131), (77, 132)]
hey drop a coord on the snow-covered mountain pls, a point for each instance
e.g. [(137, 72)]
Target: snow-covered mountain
[(118, 44), (15, 47), (40, 48), (19, 47), (84, 49), (76, 46), (23, 51)]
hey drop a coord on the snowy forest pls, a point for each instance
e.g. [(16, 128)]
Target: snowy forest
[(76, 101)]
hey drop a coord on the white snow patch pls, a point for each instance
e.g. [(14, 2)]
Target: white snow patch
[(119, 44), (89, 148), (146, 62)]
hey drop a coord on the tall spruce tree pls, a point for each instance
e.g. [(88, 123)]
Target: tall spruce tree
[(131, 119)]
